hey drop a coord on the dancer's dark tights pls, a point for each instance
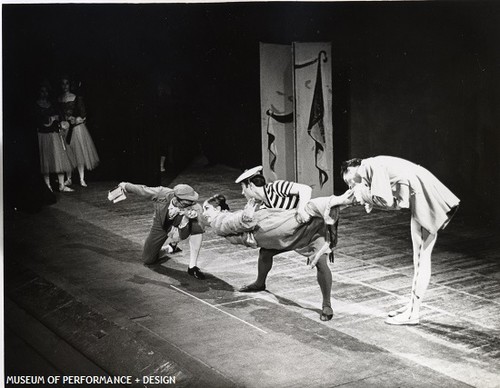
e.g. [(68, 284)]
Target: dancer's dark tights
[(324, 277)]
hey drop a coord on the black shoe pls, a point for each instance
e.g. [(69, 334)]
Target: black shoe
[(161, 260), (252, 288), (195, 271), (175, 248)]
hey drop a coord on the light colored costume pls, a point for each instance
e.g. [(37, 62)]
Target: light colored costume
[(393, 183), (384, 179), (78, 136), (55, 155)]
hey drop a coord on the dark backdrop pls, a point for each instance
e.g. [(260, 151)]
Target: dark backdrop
[(420, 80)]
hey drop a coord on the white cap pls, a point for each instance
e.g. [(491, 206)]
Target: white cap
[(249, 173)]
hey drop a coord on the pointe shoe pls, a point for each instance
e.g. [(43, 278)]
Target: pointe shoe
[(82, 183), (402, 319), (50, 188), (326, 313), (68, 182), (65, 189), (400, 310)]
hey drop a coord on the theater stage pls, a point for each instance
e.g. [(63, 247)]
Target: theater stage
[(79, 302)]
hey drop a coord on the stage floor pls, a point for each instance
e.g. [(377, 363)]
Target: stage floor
[(80, 300)]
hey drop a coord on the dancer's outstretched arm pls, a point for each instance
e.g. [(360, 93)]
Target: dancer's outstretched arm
[(153, 193)]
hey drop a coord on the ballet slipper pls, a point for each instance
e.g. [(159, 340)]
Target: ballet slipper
[(400, 310), (82, 183), (68, 182), (404, 318)]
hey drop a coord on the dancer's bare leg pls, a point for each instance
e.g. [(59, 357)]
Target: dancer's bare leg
[(62, 184), (46, 178), (81, 173)]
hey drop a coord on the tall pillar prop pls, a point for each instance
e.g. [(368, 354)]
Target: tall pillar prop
[(296, 113)]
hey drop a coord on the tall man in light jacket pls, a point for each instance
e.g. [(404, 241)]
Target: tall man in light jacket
[(391, 183)]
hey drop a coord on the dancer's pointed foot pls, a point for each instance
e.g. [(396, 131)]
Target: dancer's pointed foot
[(326, 313), (68, 182), (83, 183)]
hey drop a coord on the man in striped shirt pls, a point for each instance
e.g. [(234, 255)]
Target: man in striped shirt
[(283, 195)]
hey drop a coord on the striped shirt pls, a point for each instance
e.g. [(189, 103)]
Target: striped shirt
[(278, 195)]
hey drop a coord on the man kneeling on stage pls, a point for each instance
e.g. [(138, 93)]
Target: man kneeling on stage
[(177, 217)]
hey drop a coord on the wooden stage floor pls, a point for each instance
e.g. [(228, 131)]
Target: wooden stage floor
[(74, 269)]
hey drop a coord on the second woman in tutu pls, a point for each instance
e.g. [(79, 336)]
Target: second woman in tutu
[(72, 111)]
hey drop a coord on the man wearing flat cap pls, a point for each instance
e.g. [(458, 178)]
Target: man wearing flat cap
[(177, 217)]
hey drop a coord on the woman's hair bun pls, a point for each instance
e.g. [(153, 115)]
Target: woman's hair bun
[(219, 200)]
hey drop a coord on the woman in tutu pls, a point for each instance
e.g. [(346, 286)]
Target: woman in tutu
[(78, 137), (55, 155)]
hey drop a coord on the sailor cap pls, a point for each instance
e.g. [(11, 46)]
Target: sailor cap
[(249, 173)]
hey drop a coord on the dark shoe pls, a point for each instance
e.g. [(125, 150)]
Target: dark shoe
[(253, 288), (326, 314), (161, 260), (175, 248), (195, 271)]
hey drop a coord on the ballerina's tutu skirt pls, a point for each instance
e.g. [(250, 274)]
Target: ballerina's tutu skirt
[(53, 157), (83, 147)]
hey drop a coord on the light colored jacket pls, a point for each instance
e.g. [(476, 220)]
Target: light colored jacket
[(431, 202)]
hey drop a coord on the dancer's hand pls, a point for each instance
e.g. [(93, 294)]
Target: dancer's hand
[(347, 198), (64, 125), (302, 216), (191, 214)]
